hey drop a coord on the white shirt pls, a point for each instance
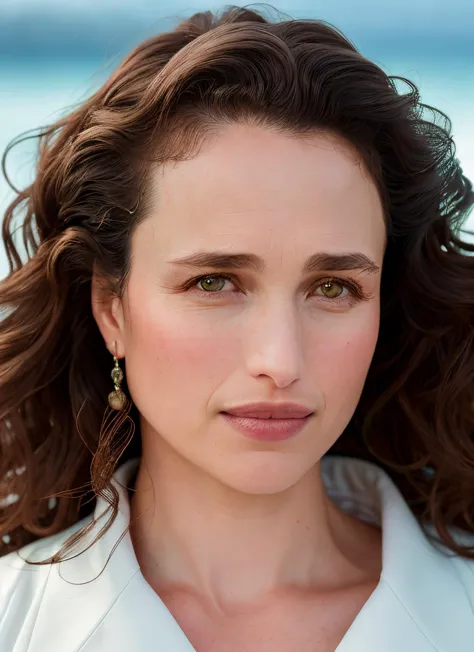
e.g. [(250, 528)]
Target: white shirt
[(423, 602)]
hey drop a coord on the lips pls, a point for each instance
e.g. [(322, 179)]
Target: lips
[(270, 411)]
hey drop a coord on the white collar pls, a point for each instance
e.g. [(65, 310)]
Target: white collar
[(421, 602)]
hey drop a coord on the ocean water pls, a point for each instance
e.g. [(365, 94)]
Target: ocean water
[(33, 94)]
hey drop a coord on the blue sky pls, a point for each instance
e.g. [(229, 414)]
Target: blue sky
[(360, 10), (43, 28)]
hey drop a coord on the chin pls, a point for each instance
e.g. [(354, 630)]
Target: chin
[(263, 472)]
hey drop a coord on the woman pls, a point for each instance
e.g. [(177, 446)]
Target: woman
[(259, 238)]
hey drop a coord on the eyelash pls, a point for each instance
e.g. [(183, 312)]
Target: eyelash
[(355, 290)]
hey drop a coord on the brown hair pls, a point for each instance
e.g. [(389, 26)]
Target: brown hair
[(90, 191)]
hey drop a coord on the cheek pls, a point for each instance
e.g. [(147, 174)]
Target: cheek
[(173, 357), (346, 361)]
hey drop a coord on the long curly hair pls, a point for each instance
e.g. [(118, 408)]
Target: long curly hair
[(415, 418)]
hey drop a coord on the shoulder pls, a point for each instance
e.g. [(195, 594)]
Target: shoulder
[(462, 567), (22, 586)]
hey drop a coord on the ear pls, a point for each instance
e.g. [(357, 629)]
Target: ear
[(108, 312)]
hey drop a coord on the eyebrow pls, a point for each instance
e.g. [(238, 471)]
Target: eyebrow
[(318, 262)]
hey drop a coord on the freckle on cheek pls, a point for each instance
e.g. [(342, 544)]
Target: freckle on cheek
[(360, 350)]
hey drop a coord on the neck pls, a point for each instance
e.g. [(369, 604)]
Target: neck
[(191, 533)]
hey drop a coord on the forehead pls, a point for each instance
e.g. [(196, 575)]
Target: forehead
[(253, 185)]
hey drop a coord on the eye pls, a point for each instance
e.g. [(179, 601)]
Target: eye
[(332, 289), (212, 283)]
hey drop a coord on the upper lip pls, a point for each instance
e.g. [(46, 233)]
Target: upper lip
[(270, 410)]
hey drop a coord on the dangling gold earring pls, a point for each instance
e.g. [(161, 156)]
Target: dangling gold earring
[(117, 398)]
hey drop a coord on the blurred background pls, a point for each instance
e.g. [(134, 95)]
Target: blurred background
[(55, 53)]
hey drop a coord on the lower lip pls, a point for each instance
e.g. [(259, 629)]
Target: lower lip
[(267, 429)]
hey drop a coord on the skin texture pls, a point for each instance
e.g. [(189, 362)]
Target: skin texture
[(227, 525)]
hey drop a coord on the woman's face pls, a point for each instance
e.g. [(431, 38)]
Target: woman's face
[(273, 332)]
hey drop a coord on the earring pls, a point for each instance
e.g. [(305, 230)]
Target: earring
[(117, 398)]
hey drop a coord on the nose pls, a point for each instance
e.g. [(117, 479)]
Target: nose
[(273, 346)]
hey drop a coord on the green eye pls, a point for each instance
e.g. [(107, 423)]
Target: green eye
[(331, 289), (208, 283)]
